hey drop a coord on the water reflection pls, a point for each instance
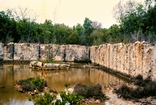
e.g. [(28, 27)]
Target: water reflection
[(10, 73)]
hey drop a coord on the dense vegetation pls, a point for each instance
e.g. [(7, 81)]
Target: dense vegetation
[(35, 87), (94, 91), (48, 99), (137, 22), (143, 88), (32, 84)]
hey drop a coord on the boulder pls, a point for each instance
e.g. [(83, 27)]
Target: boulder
[(48, 66), (35, 64), (64, 66)]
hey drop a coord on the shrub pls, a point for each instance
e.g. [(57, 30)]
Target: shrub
[(72, 98), (124, 91), (31, 84), (90, 91), (145, 88), (48, 99), (38, 83), (45, 99)]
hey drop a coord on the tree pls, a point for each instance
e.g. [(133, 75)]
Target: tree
[(73, 38), (25, 19), (47, 32), (97, 33), (61, 33), (79, 28), (88, 29), (114, 32), (7, 25)]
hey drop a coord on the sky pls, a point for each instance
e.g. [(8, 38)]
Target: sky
[(69, 12)]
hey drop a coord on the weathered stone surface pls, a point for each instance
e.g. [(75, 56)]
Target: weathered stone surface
[(131, 59), (35, 64), (48, 66), (1, 51), (26, 51), (64, 66), (63, 52), (9, 51), (51, 66), (52, 52), (76, 52)]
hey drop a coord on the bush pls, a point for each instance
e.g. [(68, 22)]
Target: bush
[(45, 99), (31, 84), (72, 98), (38, 83), (124, 91), (48, 99), (145, 88), (90, 91)]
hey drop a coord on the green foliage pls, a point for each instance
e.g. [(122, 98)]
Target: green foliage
[(38, 83), (67, 85), (79, 29), (137, 20), (7, 27), (45, 99), (26, 30), (26, 84), (48, 99), (61, 33), (145, 88), (88, 29), (72, 98), (31, 84), (90, 91), (73, 38), (136, 23)]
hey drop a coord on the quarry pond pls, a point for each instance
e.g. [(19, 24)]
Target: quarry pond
[(10, 73)]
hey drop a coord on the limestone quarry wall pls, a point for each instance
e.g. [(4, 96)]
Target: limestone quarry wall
[(132, 59), (27, 51)]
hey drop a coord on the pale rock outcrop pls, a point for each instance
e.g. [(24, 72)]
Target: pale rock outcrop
[(26, 51), (63, 52), (48, 66), (76, 52), (1, 51), (64, 66), (52, 52), (51, 66), (36, 64), (131, 59), (9, 51)]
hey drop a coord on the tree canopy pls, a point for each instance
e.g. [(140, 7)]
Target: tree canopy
[(137, 22)]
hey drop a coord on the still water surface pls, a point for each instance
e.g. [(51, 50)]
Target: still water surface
[(10, 73)]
